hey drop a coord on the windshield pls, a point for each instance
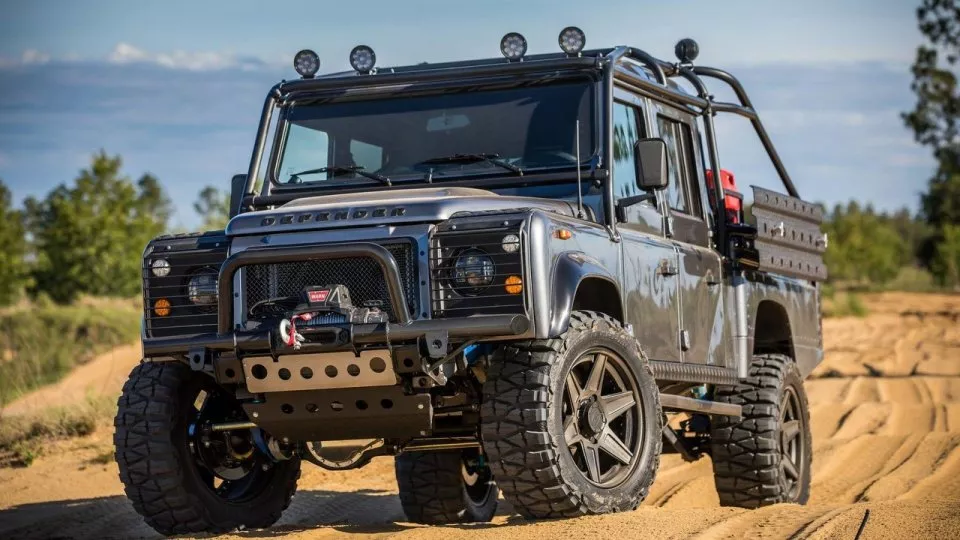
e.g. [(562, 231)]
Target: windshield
[(507, 131)]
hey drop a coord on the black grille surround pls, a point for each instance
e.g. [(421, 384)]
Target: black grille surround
[(483, 234), (187, 255), (361, 275)]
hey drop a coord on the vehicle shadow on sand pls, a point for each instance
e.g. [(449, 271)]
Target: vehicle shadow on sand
[(356, 512)]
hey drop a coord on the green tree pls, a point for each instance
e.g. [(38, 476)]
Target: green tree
[(946, 262), (864, 247), (89, 237), (214, 206), (14, 270), (935, 120)]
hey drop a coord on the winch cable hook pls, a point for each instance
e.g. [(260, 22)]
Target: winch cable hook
[(288, 329)]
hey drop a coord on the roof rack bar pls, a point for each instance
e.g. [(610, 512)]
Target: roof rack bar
[(749, 112), (427, 75)]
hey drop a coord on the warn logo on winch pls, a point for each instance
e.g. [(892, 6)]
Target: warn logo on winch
[(317, 296)]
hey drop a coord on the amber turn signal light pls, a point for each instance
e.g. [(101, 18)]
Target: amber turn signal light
[(514, 285), (161, 307), (563, 234)]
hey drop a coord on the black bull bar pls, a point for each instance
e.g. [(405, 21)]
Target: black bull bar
[(228, 339)]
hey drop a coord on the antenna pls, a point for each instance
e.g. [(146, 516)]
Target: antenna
[(579, 186)]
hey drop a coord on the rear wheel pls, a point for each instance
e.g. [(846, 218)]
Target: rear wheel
[(764, 457), (572, 425), (446, 487), (179, 477)]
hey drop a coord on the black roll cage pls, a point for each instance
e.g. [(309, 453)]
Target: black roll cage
[(659, 84)]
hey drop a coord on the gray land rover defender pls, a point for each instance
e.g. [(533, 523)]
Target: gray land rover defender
[(524, 275)]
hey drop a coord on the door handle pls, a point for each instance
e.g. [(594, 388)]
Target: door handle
[(667, 268)]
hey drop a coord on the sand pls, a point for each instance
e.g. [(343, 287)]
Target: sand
[(885, 410)]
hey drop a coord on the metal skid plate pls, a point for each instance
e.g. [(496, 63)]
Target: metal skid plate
[(789, 240), (319, 371), (381, 412)]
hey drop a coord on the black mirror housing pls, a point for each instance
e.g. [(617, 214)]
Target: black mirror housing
[(650, 160), (238, 185)]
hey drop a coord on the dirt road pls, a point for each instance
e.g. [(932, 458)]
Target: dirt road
[(885, 408)]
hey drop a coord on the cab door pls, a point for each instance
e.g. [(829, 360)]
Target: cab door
[(689, 226), (649, 269)]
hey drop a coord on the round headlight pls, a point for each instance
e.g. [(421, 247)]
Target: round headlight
[(160, 268), (510, 243), (307, 63), (473, 270), (513, 46), (362, 58), (572, 40), (202, 288)]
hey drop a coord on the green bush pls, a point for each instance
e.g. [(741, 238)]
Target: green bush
[(41, 342), (846, 304)]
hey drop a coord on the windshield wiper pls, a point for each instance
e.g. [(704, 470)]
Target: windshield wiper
[(474, 158), (356, 169)]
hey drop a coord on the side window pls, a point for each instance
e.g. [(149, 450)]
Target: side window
[(676, 196), (683, 192), (626, 131), (694, 181)]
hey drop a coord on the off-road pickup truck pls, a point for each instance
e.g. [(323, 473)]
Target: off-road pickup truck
[(525, 275)]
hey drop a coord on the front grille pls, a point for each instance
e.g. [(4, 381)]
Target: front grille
[(361, 275), (455, 238), (187, 255)]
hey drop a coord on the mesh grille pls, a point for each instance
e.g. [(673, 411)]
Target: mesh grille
[(361, 275)]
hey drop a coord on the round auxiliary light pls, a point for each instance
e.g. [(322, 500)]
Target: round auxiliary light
[(307, 63), (513, 46), (161, 307), (362, 58), (687, 50), (160, 268), (510, 243), (572, 40)]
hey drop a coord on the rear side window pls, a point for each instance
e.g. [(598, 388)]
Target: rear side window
[(682, 191)]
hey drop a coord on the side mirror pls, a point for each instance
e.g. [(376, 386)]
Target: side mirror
[(650, 160), (238, 185)]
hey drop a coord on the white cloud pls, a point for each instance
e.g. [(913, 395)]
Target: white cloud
[(125, 53), (33, 56)]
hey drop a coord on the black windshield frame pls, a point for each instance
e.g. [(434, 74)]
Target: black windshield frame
[(589, 151)]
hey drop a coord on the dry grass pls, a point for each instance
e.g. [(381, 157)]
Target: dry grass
[(40, 342), (22, 438)]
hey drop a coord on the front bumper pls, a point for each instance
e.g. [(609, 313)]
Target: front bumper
[(326, 339)]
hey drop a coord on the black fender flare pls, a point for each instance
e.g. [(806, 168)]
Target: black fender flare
[(569, 270)]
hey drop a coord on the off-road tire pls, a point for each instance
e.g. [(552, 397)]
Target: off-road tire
[(746, 452), (432, 490), (156, 466), (523, 434)]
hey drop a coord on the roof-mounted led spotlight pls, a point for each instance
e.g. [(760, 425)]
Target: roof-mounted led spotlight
[(513, 46), (687, 50), (362, 58), (307, 63), (572, 40)]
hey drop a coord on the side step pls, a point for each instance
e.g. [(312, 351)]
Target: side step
[(674, 402)]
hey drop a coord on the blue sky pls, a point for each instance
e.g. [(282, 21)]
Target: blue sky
[(176, 87)]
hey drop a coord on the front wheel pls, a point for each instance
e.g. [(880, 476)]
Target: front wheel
[(446, 487), (181, 481), (572, 425)]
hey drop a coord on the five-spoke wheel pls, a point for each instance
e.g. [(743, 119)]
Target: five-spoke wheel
[(601, 417)]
